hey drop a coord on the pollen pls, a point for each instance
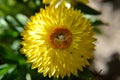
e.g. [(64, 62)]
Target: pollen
[(60, 38)]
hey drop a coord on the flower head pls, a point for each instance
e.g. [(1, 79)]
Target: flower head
[(66, 2), (58, 41)]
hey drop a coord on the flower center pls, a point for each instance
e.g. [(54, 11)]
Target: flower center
[(60, 38)]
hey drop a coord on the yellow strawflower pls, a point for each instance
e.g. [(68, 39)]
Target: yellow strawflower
[(66, 2), (58, 41)]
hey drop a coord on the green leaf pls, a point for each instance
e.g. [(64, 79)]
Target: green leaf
[(3, 26), (3, 23), (28, 76), (5, 68), (97, 30), (94, 20), (85, 75), (14, 24), (98, 22), (86, 9), (8, 55), (15, 44), (22, 18)]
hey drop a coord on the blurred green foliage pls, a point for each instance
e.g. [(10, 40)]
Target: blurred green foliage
[(13, 16)]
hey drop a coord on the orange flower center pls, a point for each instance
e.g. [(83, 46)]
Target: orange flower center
[(60, 38)]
